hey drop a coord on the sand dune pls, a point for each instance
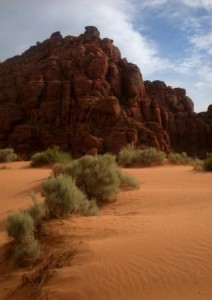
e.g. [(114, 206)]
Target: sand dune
[(152, 244)]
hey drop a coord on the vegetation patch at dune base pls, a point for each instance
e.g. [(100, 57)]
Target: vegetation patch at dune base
[(50, 156), (8, 155), (99, 177), (130, 155)]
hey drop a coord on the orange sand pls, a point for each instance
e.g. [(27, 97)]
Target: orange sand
[(152, 244)]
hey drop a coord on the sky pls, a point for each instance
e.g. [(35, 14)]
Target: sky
[(170, 40)]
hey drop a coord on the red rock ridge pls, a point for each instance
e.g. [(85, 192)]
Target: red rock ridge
[(80, 94)]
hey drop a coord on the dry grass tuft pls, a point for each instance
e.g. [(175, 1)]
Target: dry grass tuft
[(44, 272)]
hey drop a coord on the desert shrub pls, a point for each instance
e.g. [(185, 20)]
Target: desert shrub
[(50, 156), (7, 155), (36, 211), (180, 158), (208, 162), (63, 197), (149, 156), (26, 250), (198, 164), (127, 181), (89, 208), (20, 226), (127, 155), (58, 168), (97, 176), (184, 159)]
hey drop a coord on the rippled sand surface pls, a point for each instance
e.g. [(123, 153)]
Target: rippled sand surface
[(151, 244)]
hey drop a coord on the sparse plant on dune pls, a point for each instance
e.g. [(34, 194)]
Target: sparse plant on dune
[(58, 168), (99, 177), (198, 164), (8, 155), (180, 158), (50, 156), (62, 198), (26, 250), (36, 211), (127, 155), (128, 182), (20, 226), (150, 156), (184, 159), (208, 162)]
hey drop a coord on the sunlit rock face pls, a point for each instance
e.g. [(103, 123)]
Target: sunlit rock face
[(80, 94)]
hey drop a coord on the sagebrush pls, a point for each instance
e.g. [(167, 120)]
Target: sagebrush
[(8, 155), (20, 226), (99, 177), (50, 156), (150, 156), (208, 162), (198, 164), (128, 182), (62, 198), (180, 158), (36, 211), (127, 155)]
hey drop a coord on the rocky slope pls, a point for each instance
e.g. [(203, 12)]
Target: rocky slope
[(188, 131), (78, 93)]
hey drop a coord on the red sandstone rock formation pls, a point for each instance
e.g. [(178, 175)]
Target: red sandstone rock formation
[(78, 93), (187, 130)]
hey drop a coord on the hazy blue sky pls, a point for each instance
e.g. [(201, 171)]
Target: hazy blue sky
[(170, 40)]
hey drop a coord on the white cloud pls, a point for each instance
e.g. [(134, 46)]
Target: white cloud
[(150, 3), (206, 74), (203, 42), (200, 85), (188, 64), (207, 4), (113, 19), (26, 22)]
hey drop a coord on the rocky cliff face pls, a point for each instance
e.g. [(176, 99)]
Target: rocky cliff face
[(78, 93), (188, 131)]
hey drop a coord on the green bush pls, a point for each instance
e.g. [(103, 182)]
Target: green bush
[(184, 159), (127, 155), (36, 211), (20, 226), (149, 156), (208, 163), (180, 158), (89, 208), (63, 197), (127, 181), (26, 250), (7, 155), (50, 156), (198, 164), (97, 176), (58, 168)]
